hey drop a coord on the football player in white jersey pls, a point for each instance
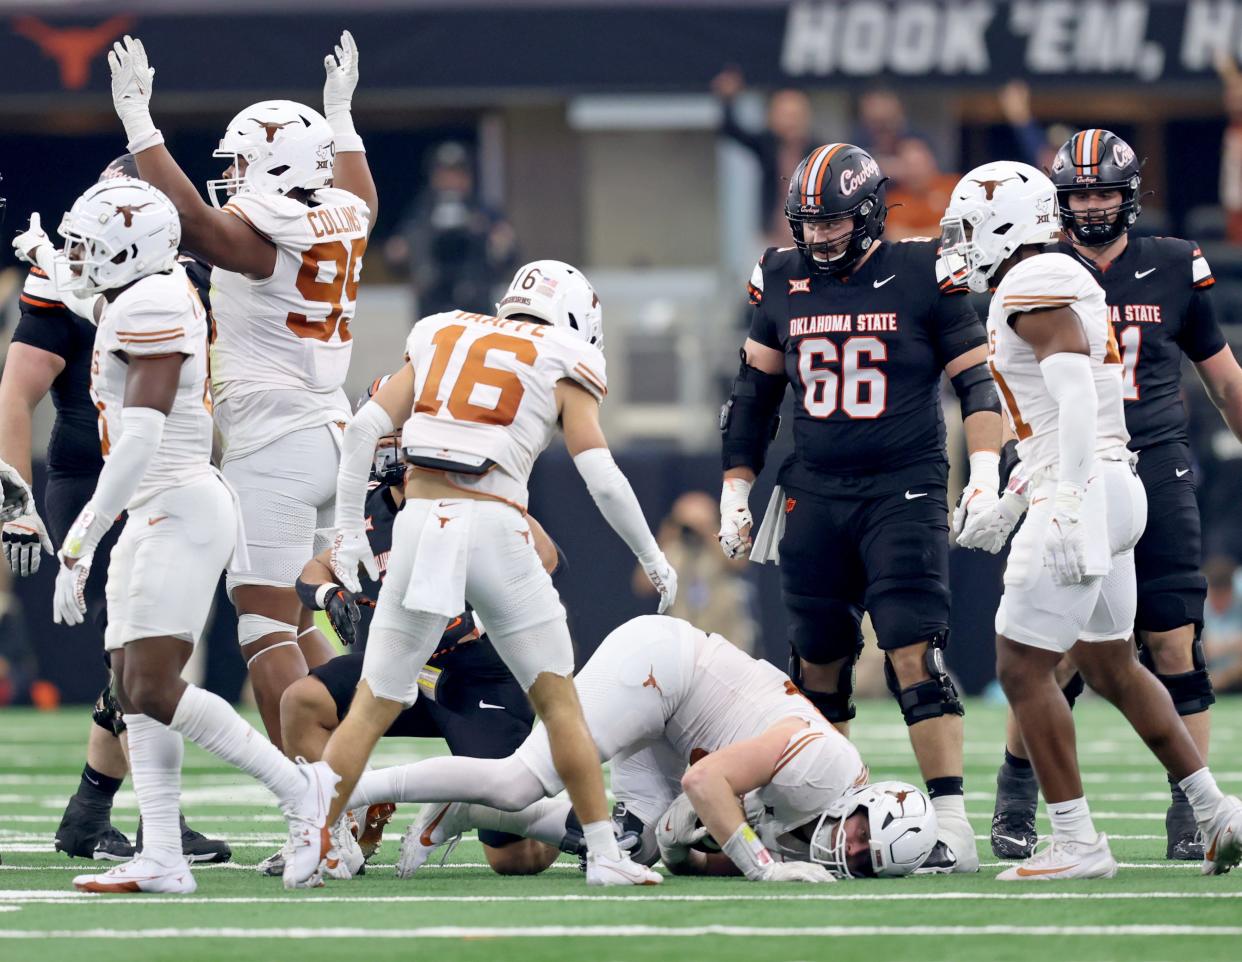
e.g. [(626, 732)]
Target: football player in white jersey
[(149, 382), (1069, 581), (297, 203), (771, 781), (480, 398)]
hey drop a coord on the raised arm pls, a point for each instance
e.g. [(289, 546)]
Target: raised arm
[(350, 171)]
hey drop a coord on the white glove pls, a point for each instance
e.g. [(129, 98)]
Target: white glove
[(69, 600), (27, 243), (1065, 546), (25, 539), (349, 550), (991, 530), (341, 80), (677, 830), (979, 497), (662, 577), (132, 82), (17, 497), (735, 519), (797, 872)]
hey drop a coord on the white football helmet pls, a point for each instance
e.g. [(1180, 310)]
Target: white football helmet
[(995, 209), (559, 294), (121, 229), (285, 145), (902, 826)]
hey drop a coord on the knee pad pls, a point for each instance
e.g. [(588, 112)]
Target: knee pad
[(1073, 688), (1170, 602), (252, 628), (823, 629), (836, 706), (107, 714), (933, 698), (1191, 691)]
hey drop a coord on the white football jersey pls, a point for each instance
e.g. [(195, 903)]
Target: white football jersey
[(485, 388), (282, 344), (160, 314), (1042, 282)]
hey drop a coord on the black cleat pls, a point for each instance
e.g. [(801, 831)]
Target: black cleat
[(1184, 842), (940, 861), (1013, 817), (86, 831), (197, 847)]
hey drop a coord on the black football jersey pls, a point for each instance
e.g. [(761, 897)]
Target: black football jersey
[(1159, 307), (864, 355)]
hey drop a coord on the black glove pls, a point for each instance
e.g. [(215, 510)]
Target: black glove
[(343, 612)]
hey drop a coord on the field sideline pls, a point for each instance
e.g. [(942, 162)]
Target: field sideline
[(1152, 911)]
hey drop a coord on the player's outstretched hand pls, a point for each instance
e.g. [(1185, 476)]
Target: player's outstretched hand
[(132, 77), (349, 550), (1065, 545), (69, 599), (17, 497), (797, 872), (30, 240), (343, 612), (662, 577), (735, 518), (341, 68), (989, 531)]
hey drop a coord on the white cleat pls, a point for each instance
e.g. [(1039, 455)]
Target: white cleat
[(606, 871), (437, 824), (141, 874), (1060, 859), (1222, 837), (274, 864), (344, 858), (309, 836)]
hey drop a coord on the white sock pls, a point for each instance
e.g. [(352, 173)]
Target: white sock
[(1202, 792), (155, 753), (950, 805), (212, 724), (544, 821), (600, 840), (504, 783), (1071, 820)]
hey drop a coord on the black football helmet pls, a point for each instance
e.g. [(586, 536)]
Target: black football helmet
[(832, 182), (123, 166), (1097, 159)]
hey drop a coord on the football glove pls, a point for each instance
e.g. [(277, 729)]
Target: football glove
[(349, 550), (1065, 545), (735, 518), (341, 69), (662, 577), (18, 499), (30, 240), (132, 82), (979, 497), (342, 609), (990, 531), (678, 829), (796, 872), (69, 598), (25, 539)]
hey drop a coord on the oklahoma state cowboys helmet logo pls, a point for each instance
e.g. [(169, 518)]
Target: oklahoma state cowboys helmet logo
[(270, 128), (989, 186), (129, 210)]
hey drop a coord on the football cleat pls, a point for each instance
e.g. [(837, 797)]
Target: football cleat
[(309, 834), (344, 859), (1222, 837), (1013, 835), (940, 861), (274, 864), (437, 824), (607, 871), (195, 846), (1185, 844), (142, 874), (955, 849), (1061, 859), (373, 824), (87, 832)]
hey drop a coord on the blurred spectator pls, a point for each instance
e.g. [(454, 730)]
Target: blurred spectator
[(1222, 624), (712, 591), (456, 251), (1035, 145), (882, 127), (779, 147), (1231, 150), (918, 201)]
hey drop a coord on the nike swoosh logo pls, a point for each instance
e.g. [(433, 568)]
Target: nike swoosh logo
[(157, 520), (1029, 872), (1139, 275), (1181, 471), (1066, 812), (483, 704), (911, 497), (1010, 838), (883, 282), (91, 780), (1035, 501)]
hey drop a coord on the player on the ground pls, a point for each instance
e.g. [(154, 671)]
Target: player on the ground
[(658, 695), (298, 203), (1160, 308), (470, 699), (480, 399), (51, 354), (863, 330), (149, 382), (1069, 580)]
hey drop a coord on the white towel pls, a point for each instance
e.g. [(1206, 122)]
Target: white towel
[(438, 577), (767, 541)]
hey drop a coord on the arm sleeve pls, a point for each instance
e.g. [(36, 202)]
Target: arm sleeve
[(1201, 336), (957, 327), (1069, 380), (616, 501), (357, 453)]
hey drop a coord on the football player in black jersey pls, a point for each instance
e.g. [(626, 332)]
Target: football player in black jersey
[(1157, 292), (863, 331), (469, 698), (51, 354)]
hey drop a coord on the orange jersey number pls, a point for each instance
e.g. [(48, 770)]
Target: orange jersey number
[(474, 371), (346, 258)]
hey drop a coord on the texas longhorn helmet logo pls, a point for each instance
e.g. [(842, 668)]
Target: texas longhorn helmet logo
[(269, 127), (989, 186), (901, 797), (129, 210)]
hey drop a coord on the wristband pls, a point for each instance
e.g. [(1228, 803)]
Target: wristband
[(748, 853)]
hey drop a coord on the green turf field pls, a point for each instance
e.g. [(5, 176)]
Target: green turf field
[(1152, 911)]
